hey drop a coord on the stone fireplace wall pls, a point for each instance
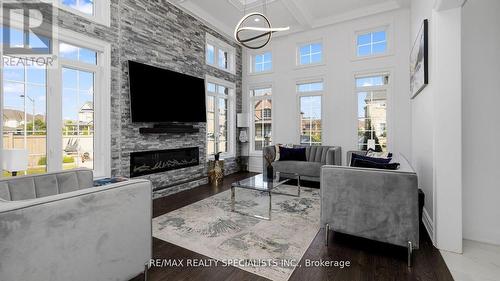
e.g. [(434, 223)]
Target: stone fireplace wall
[(159, 34)]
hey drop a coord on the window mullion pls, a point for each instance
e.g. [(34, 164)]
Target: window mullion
[(54, 119)]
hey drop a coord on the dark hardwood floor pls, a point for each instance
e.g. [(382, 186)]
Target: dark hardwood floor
[(369, 260)]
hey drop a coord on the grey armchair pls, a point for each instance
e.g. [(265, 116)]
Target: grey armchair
[(57, 226), (381, 205), (316, 157)]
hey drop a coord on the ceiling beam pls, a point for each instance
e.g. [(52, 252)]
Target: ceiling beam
[(299, 12)]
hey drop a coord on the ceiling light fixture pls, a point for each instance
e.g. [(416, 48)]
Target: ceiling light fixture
[(255, 37)]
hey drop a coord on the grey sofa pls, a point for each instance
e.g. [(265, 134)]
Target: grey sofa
[(316, 157), (57, 226), (381, 205)]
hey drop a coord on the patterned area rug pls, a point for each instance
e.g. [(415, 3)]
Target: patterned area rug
[(268, 248)]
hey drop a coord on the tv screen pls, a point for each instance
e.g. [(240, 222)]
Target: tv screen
[(161, 96)]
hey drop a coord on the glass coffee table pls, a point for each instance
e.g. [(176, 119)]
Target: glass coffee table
[(261, 184)]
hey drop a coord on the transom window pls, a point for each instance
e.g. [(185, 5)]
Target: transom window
[(372, 43), (310, 87), (219, 54), (263, 62), (310, 54), (84, 6), (262, 104), (94, 10), (371, 93), (310, 97), (220, 110)]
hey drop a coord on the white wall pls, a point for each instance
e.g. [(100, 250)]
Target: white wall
[(422, 108), (481, 136), (437, 122), (339, 100)]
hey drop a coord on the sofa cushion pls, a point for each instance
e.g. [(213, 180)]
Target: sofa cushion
[(361, 163), (311, 169), (292, 154), (368, 158)]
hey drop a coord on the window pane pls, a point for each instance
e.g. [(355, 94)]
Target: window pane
[(24, 117), (210, 54), (310, 87), (372, 43), (364, 39), (78, 118), (379, 48), (261, 92), (72, 52), (262, 123), (364, 50), (211, 87), (222, 105), (210, 125), (311, 53), (316, 48), (310, 116), (263, 62), (316, 58), (84, 6), (222, 59), (379, 36), (372, 116), (371, 81)]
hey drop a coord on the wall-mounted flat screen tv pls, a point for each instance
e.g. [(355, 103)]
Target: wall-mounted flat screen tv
[(161, 96)]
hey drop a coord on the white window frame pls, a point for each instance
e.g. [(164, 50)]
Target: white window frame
[(303, 44), (231, 114), (387, 87), (221, 45), (310, 94), (102, 111), (101, 15), (387, 27), (252, 100), (253, 63)]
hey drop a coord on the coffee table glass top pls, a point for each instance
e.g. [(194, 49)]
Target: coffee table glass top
[(259, 182)]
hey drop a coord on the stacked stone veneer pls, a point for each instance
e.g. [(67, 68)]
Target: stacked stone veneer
[(157, 33)]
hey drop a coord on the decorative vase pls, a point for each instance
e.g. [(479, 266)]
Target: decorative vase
[(269, 172)]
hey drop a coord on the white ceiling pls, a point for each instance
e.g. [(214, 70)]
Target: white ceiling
[(300, 15)]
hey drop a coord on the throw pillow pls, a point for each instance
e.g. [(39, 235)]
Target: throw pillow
[(292, 154), (371, 159), (277, 150), (374, 154), (360, 163)]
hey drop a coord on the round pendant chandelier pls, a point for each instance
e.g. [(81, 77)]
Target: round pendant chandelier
[(254, 30)]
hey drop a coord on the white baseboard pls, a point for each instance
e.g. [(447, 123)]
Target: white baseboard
[(429, 225)]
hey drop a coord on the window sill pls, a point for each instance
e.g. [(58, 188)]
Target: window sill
[(363, 58), (222, 69), (262, 73), (305, 66)]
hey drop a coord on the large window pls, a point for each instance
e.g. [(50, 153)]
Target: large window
[(310, 54), (262, 62), (262, 106), (68, 121), (371, 43), (220, 113), (310, 95), (78, 66), (25, 114), (219, 54), (372, 112)]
